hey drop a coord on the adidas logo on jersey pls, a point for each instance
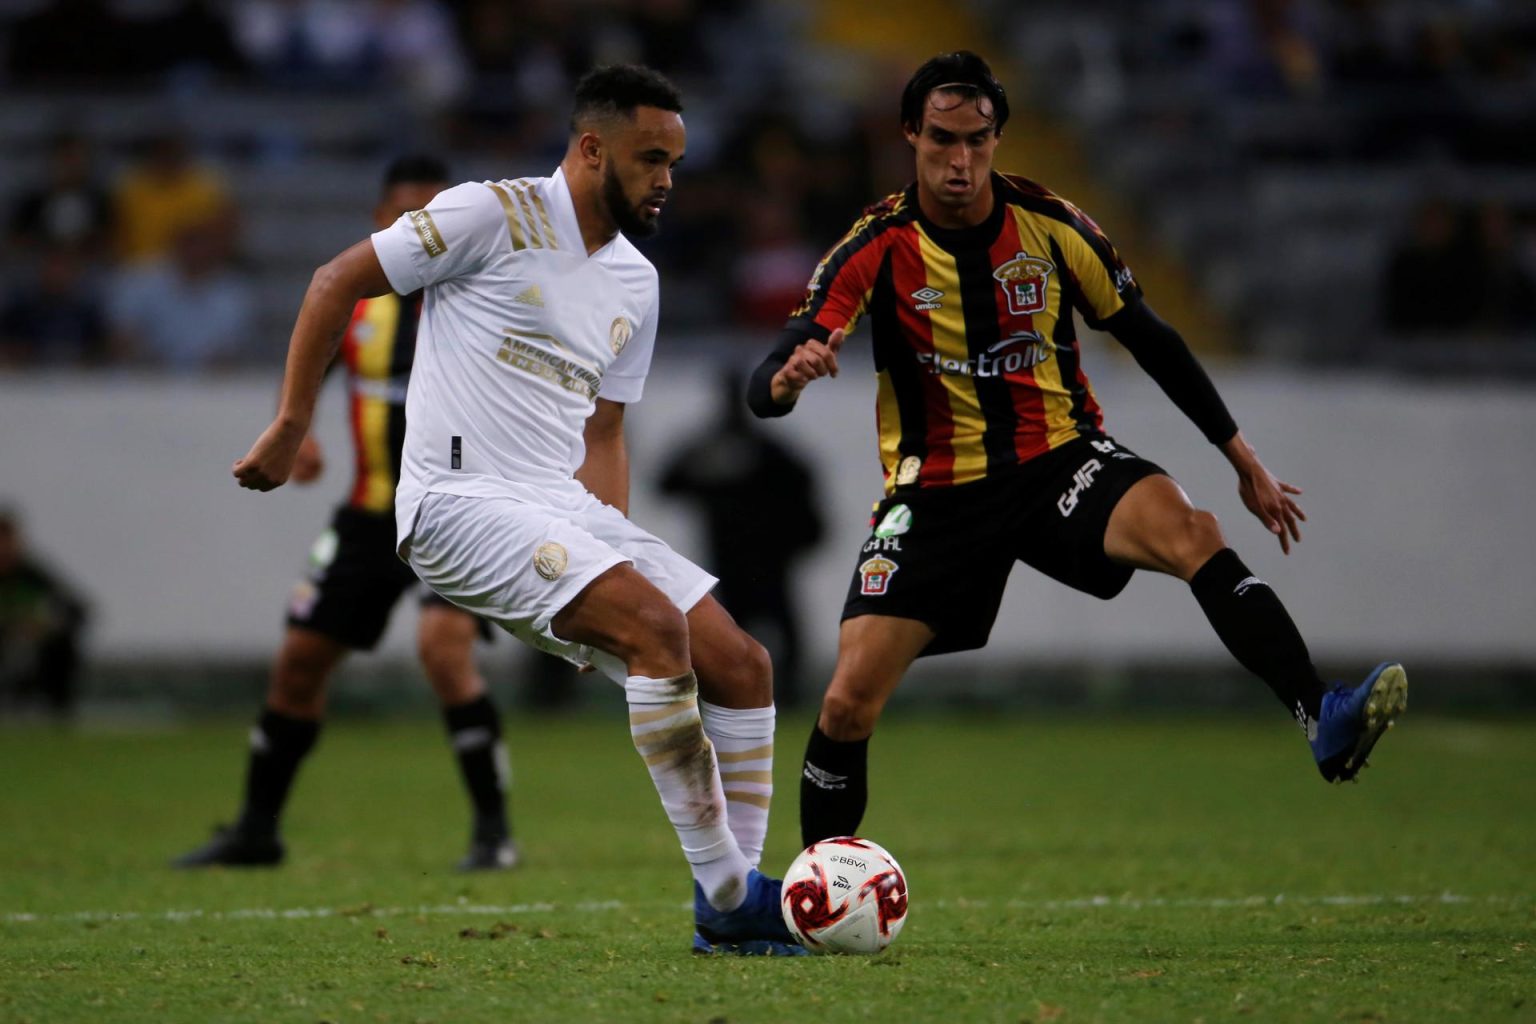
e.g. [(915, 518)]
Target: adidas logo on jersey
[(530, 296)]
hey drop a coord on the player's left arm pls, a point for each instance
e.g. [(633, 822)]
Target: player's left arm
[(1110, 299), (605, 470), (1162, 352)]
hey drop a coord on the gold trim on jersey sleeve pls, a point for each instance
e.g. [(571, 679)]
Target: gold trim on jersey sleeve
[(514, 226), (549, 232), (521, 191)]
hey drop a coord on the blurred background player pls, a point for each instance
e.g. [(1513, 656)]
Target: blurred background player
[(993, 445), (762, 513), (355, 582), (40, 624)]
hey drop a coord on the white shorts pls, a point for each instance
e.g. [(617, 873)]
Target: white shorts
[(518, 564)]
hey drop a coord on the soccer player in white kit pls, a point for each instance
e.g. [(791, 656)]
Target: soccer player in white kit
[(537, 329)]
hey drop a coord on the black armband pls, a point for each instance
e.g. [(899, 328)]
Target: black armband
[(1160, 350), (760, 384)]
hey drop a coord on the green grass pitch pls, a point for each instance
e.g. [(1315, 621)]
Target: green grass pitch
[(1154, 869)]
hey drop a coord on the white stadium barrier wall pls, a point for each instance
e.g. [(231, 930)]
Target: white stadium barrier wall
[(1418, 492)]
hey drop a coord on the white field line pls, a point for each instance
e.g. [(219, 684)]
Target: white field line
[(604, 906)]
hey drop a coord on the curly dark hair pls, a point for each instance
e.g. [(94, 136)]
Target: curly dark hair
[(617, 89)]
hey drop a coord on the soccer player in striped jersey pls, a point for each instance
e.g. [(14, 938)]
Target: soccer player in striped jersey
[(537, 330), (993, 445), (356, 580)]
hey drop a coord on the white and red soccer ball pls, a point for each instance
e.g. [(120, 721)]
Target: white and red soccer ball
[(845, 895)]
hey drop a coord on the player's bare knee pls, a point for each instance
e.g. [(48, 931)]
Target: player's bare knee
[(451, 673), (847, 715), (1199, 538), (749, 674), (299, 677), (654, 629)]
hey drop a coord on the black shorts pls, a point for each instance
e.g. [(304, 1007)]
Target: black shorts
[(942, 555), (354, 581)]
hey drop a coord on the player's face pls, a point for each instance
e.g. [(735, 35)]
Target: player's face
[(639, 156), (954, 149), (407, 195)]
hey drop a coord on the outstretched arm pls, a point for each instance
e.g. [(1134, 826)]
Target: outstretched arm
[(605, 470), (1160, 350), (1267, 497), (333, 291), (797, 360)]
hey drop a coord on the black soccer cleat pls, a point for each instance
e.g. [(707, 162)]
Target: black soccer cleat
[(491, 855), (231, 847)]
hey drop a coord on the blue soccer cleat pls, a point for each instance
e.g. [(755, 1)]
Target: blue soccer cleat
[(756, 928), (1352, 720)]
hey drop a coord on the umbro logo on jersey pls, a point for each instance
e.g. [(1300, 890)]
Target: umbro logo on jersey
[(928, 298), (530, 296), (822, 779)]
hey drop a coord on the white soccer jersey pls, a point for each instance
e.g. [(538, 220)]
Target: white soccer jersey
[(520, 332)]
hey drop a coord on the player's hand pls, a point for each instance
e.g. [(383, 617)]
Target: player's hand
[(309, 462), (1270, 500), (269, 463), (811, 360)]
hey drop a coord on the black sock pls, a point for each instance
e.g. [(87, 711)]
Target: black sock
[(834, 787), (1256, 628), (278, 744), (474, 729)]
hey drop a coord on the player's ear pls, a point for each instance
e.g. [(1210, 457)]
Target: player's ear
[(590, 146)]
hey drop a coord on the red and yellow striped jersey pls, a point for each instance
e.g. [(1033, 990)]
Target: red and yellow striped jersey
[(377, 350), (975, 349)]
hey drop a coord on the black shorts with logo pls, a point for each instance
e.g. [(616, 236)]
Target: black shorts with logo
[(355, 579), (945, 560)]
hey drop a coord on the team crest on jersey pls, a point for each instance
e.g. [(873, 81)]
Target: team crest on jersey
[(906, 473), (619, 333), (875, 575), (1023, 280), (550, 560)]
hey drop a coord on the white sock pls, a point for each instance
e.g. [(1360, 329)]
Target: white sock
[(665, 725), (743, 740)]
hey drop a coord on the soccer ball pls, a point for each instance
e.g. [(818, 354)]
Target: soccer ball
[(845, 895)]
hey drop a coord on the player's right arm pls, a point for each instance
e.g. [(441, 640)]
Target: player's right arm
[(333, 292), (835, 298), (453, 236)]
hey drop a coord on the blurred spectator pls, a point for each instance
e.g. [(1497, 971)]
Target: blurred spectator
[(55, 320), (421, 53), (69, 40), (761, 514), (1431, 275), (41, 620), (1460, 273), (354, 43), (165, 193), (1266, 47), (772, 265), (69, 208), (76, 41), (190, 311), (1506, 297)]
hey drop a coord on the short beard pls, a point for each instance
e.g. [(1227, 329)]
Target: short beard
[(624, 215)]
